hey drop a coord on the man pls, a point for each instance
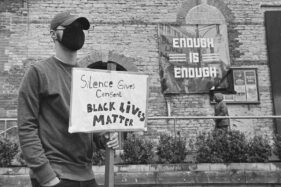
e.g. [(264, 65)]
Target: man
[(221, 110), (56, 157)]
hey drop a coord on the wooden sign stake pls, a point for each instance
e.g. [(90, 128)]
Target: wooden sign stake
[(109, 155), (126, 84), (109, 167)]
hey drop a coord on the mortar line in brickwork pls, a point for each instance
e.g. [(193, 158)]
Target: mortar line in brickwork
[(270, 5), (190, 117), (247, 23), (127, 22), (140, 22), (134, 22), (213, 117)]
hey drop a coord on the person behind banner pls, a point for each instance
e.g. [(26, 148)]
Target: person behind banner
[(220, 110), (56, 157)]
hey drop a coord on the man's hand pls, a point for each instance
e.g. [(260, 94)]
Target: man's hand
[(52, 182), (113, 140)]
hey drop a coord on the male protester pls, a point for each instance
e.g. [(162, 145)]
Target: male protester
[(56, 157), (221, 110)]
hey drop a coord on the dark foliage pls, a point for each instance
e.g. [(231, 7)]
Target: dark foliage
[(8, 151), (99, 157), (137, 151), (224, 147), (171, 149)]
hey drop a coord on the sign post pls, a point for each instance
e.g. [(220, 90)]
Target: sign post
[(108, 101), (109, 168), (109, 153)]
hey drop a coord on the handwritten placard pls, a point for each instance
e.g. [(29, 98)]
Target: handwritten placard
[(107, 101)]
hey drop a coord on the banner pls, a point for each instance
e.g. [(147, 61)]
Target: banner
[(193, 58), (107, 101)]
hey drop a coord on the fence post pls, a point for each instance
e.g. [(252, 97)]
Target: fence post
[(5, 129), (175, 121), (229, 120)]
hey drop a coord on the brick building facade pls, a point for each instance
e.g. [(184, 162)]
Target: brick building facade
[(127, 31)]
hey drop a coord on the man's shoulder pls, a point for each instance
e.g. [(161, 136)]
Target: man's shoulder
[(43, 64)]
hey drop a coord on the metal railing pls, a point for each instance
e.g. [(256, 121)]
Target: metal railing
[(175, 118), (213, 117), (6, 129)]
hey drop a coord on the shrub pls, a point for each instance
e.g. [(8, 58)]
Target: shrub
[(220, 146), (171, 150), (8, 151), (232, 146), (20, 159), (259, 149), (99, 157), (137, 151), (277, 145)]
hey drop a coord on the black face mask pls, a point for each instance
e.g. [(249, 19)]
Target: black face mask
[(73, 37)]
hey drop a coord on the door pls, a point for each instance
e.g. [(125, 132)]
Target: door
[(273, 37)]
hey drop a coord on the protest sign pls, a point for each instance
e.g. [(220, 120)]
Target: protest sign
[(103, 100)]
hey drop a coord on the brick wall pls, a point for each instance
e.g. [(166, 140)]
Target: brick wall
[(129, 28)]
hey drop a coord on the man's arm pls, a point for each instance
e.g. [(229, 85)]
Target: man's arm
[(28, 112)]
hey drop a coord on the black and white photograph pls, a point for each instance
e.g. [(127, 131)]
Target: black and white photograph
[(140, 93)]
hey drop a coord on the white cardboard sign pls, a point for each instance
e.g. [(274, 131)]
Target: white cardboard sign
[(103, 100)]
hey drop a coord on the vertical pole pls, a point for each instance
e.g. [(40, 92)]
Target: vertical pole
[(109, 167), (109, 155), (175, 121), (168, 102), (5, 129)]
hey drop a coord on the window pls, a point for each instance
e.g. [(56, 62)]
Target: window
[(239, 85)]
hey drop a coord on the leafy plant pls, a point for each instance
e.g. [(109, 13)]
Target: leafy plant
[(259, 149), (232, 146), (277, 145), (20, 159), (8, 150), (171, 150), (137, 150), (220, 146), (99, 157)]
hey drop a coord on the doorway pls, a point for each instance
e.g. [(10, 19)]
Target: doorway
[(273, 39)]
